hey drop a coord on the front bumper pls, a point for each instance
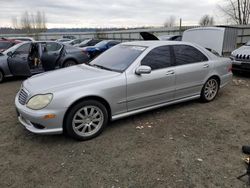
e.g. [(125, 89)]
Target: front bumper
[(34, 121), (241, 66)]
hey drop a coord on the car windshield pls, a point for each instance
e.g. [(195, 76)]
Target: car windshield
[(101, 44), (118, 58)]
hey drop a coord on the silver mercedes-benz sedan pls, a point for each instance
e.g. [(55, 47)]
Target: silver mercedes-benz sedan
[(130, 78)]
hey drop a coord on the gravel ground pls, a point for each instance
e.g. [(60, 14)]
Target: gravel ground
[(185, 145)]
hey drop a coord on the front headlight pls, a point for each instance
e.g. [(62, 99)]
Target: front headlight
[(39, 102)]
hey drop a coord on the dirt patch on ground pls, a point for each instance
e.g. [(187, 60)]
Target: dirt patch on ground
[(185, 145)]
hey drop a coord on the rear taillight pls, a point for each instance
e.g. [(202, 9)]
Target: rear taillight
[(85, 53)]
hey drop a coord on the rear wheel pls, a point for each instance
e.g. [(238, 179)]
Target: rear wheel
[(1, 76), (86, 120), (210, 90), (69, 63)]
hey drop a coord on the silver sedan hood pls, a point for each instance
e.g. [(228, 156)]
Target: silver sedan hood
[(80, 75)]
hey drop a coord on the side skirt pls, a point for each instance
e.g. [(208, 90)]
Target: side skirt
[(123, 115)]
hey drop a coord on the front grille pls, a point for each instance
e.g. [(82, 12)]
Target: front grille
[(243, 57), (22, 98)]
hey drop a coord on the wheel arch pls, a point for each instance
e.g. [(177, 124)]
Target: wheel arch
[(215, 77), (69, 59), (96, 98)]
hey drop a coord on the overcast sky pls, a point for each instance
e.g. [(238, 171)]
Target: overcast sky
[(110, 13)]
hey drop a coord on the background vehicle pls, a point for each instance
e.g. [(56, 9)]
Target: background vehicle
[(63, 40), (221, 40), (171, 37), (74, 42), (88, 42), (129, 78), (29, 58), (24, 39), (149, 36), (241, 58), (93, 51), (71, 37), (7, 43)]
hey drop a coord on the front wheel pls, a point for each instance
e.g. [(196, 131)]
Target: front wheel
[(210, 90), (86, 120), (69, 63)]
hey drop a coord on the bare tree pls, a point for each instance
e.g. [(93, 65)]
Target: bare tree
[(237, 10), (31, 23), (206, 20), (44, 22), (25, 22), (14, 22), (170, 22)]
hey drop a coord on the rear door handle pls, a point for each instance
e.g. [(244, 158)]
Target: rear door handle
[(206, 66), (171, 72)]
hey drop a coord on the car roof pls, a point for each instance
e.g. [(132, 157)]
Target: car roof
[(156, 43)]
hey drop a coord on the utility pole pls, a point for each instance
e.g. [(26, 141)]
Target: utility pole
[(180, 26)]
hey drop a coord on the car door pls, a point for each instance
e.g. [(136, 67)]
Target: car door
[(51, 52), (192, 68), (18, 62), (155, 88)]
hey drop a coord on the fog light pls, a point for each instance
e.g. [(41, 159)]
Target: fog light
[(49, 116)]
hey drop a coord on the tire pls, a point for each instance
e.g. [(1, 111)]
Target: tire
[(80, 124), (69, 63), (210, 90), (1, 76)]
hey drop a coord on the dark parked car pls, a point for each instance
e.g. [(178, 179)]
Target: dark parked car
[(149, 36), (63, 40), (93, 51), (88, 42), (74, 42), (23, 39), (28, 58), (7, 43)]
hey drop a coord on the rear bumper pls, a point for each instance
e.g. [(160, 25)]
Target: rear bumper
[(226, 79)]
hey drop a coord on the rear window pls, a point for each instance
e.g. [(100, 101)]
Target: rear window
[(185, 54)]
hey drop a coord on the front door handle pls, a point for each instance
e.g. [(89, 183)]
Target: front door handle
[(206, 66), (171, 72)]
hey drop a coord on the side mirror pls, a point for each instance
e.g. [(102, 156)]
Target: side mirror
[(143, 70), (10, 54)]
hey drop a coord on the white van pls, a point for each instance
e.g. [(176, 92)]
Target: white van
[(220, 40)]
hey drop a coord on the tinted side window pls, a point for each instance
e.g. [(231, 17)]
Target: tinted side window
[(24, 49), (158, 58), (185, 54), (52, 47)]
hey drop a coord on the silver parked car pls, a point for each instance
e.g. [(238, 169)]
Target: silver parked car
[(130, 78)]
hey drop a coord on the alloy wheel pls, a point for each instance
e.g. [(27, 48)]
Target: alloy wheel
[(87, 121), (211, 89)]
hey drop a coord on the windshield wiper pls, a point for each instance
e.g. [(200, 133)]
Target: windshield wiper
[(102, 67)]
